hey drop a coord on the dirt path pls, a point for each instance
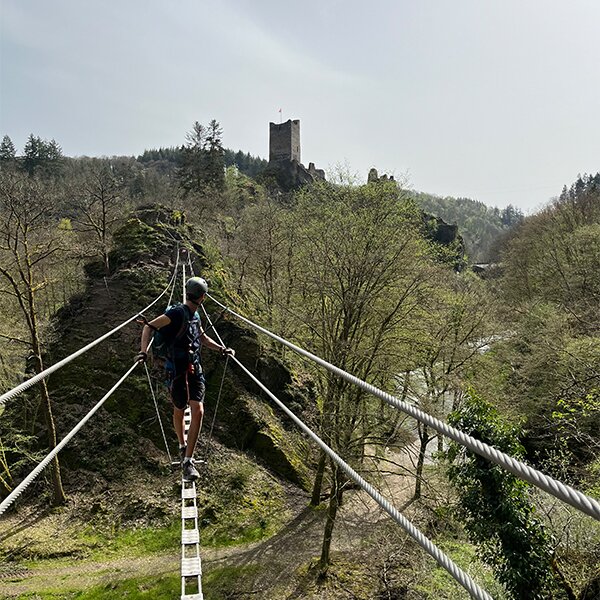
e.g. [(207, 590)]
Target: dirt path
[(280, 556)]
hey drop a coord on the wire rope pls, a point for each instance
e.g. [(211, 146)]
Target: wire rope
[(158, 413), (190, 264), (559, 490), (443, 560), (27, 481), (40, 467), (214, 417), (173, 288), (36, 378)]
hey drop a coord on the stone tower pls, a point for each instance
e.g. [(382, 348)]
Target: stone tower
[(284, 141)]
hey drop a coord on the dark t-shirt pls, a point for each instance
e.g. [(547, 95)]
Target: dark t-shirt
[(187, 345)]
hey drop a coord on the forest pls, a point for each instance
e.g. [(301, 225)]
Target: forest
[(348, 271)]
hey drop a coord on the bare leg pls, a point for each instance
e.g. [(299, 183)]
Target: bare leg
[(178, 424), (197, 409)]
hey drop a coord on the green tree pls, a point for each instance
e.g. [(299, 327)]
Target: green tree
[(247, 164), (7, 150), (457, 322), (359, 279), (203, 164), (262, 246), (553, 256), (215, 156), (42, 157), (552, 291), (478, 224), (495, 506)]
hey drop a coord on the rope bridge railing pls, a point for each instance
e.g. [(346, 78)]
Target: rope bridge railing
[(6, 503), (559, 490), (442, 559)]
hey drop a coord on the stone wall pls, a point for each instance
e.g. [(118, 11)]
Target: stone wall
[(284, 141)]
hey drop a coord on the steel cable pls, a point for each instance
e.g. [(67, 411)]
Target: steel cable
[(37, 470), (212, 424), (157, 410), (443, 560), (559, 490), (27, 481), (175, 272)]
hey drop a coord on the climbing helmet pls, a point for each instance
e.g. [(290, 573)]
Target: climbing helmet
[(195, 287)]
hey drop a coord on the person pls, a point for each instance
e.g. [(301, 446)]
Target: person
[(181, 328)]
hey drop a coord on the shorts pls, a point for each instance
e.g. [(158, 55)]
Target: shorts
[(185, 384)]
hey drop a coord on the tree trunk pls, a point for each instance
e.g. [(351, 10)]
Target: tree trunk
[(318, 484), (335, 500), (58, 493), (566, 586), (424, 437), (106, 262), (326, 429)]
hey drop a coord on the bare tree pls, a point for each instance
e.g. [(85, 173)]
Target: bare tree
[(99, 199), (30, 240)]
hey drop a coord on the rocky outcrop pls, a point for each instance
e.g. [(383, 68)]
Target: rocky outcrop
[(447, 237), (435, 229), (373, 177), (124, 433), (290, 174)]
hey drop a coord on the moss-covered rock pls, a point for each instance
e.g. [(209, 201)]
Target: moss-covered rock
[(125, 435), (254, 426)]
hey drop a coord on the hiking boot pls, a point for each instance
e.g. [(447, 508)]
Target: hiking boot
[(189, 471)]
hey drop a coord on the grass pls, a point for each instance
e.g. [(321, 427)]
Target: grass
[(218, 584), (142, 588), (441, 585), (238, 516), (228, 582), (95, 545), (142, 541), (240, 503), (244, 504)]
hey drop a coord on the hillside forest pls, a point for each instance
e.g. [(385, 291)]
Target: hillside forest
[(352, 273)]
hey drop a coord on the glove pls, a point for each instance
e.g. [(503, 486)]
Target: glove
[(141, 357)]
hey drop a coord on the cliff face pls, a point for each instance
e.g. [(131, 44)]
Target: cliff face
[(125, 435)]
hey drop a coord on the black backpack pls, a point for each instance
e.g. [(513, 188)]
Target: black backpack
[(163, 349)]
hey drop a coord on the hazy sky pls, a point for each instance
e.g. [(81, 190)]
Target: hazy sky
[(497, 100)]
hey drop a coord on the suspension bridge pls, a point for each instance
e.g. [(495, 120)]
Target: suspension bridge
[(191, 564)]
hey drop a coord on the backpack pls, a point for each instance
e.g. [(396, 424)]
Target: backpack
[(163, 348)]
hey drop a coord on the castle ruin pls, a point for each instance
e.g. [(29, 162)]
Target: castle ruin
[(284, 156), (284, 141)]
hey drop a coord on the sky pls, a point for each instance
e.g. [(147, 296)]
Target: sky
[(495, 100)]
